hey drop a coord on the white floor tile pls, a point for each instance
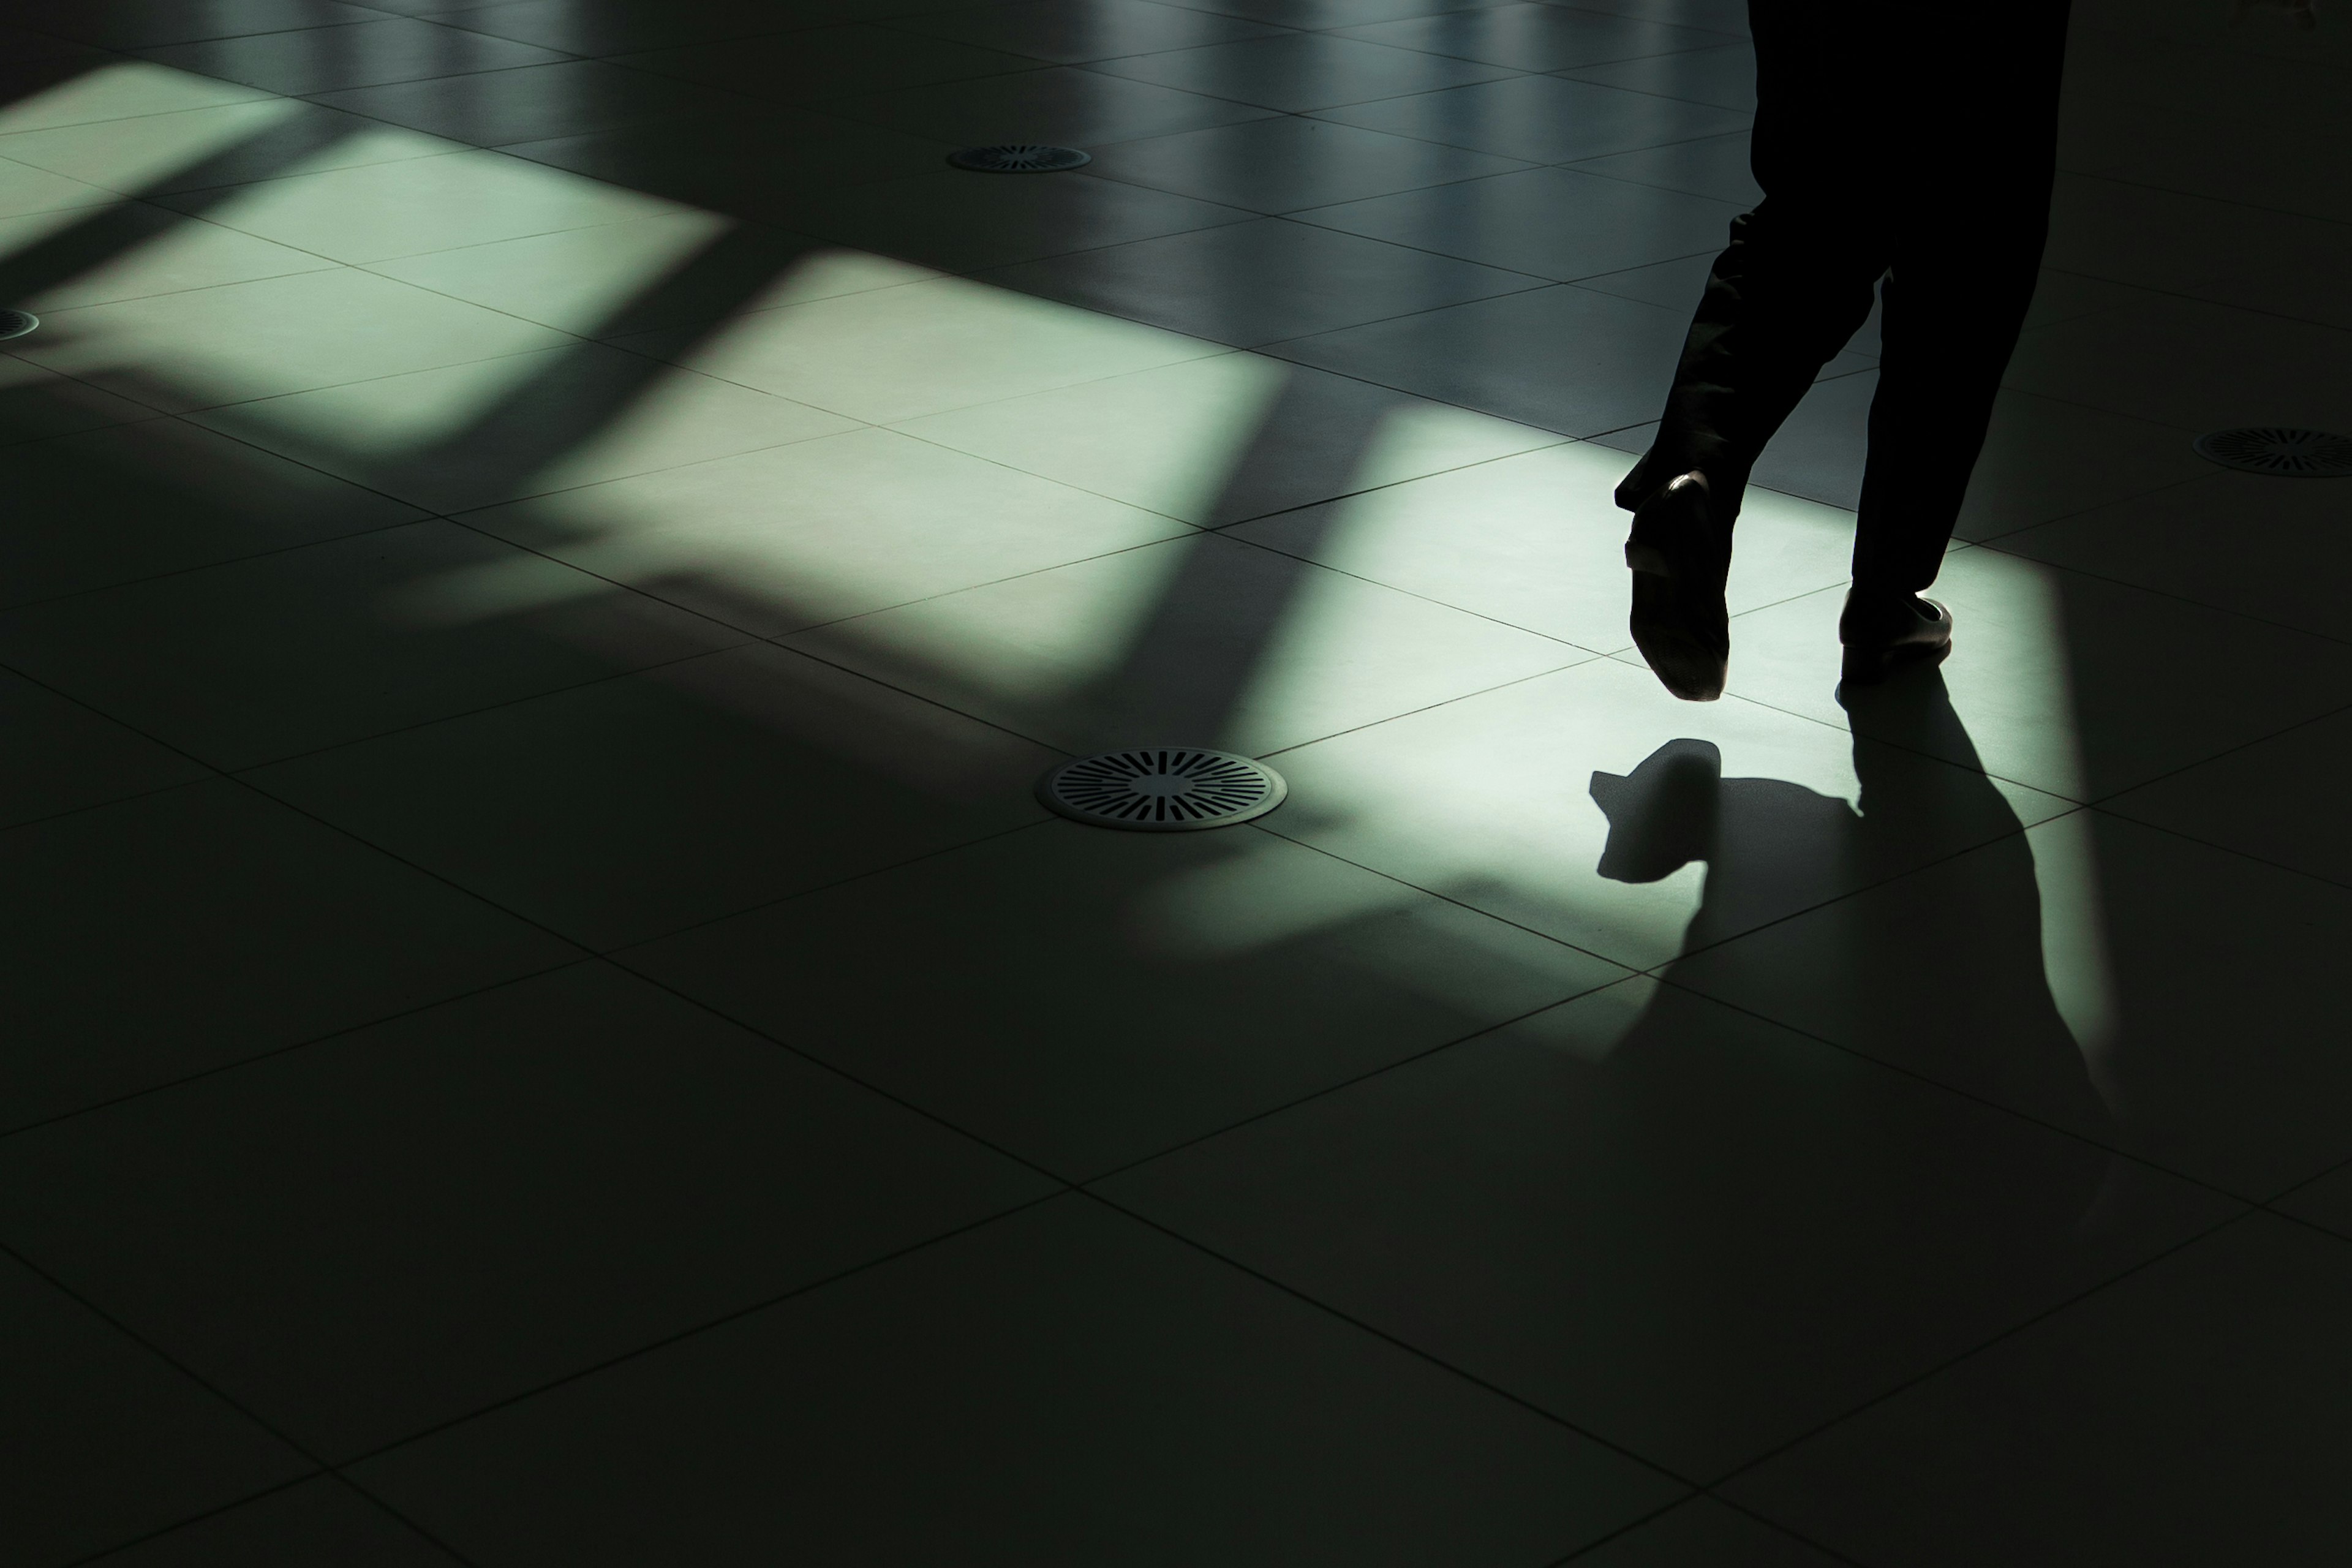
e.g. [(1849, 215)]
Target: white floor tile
[(1201, 641)]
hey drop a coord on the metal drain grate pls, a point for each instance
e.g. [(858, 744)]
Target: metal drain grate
[(2277, 449), (1020, 158), (17, 324), (1163, 789)]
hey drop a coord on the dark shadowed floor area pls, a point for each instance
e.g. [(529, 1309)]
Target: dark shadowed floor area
[(544, 547)]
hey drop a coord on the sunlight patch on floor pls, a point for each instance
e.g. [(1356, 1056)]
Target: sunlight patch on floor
[(1012, 543)]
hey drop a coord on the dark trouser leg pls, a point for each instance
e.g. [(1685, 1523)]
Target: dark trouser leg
[(1882, 139), (1796, 280), (1967, 257), (1780, 300), (1949, 333)]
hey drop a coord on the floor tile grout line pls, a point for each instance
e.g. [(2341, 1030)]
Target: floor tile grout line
[(307, 1042), (1992, 540), (343, 1467), (2311, 1181), (2107, 801), (796, 443), (158, 202), (154, 197), (1348, 29), (1221, 350), (777, 1041), (1983, 1347), (1584, 1553), (1600, 1542), (1555, 442), (1562, 164), (1536, 284), (47, 818), (326, 264), (614, 56), (742, 640), (2004, 1111), (2115, 176), (1010, 467), (2177, 598), (12, 606), (1224, 528), (726, 102), (1292, 213), (2299, 1222), (1208, 7), (1268, 110), (784, 640), (1268, 825), (215, 1511), (1659, 973), (237, 770), (2160, 291), (1337, 33), (386, 1507), (1289, 746), (1065, 1186), (1583, 166), (2103, 808), (2042, 789), (131, 51), (1427, 1357), (616, 953), (582, 953), (299, 1449), (1568, 73), (2022, 830), (326, 1475), (149, 53), (1478, 1033), (626, 60), (1299, 218), (1465, 609)]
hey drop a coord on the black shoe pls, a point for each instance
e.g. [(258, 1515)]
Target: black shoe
[(1885, 632), (1680, 556)]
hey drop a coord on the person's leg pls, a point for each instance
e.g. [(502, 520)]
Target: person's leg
[(1796, 280), (1784, 296), (1968, 253)]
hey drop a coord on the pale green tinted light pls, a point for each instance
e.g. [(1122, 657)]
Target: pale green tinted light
[(125, 90), (129, 156), (889, 355), (416, 204)]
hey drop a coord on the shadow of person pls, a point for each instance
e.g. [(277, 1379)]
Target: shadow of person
[(1908, 985)]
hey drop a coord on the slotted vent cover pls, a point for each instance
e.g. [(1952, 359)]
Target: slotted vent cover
[(2277, 449), (1020, 158), (17, 324), (1163, 789)]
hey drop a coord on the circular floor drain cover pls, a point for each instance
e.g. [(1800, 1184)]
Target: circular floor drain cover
[(1163, 789), (17, 324), (1019, 158), (2275, 449)]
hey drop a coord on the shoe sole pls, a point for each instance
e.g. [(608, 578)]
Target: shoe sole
[(1684, 661), (1868, 667)]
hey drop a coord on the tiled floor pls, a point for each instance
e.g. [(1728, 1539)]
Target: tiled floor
[(548, 541)]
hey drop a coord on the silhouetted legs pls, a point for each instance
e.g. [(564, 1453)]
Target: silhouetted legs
[(1885, 143)]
